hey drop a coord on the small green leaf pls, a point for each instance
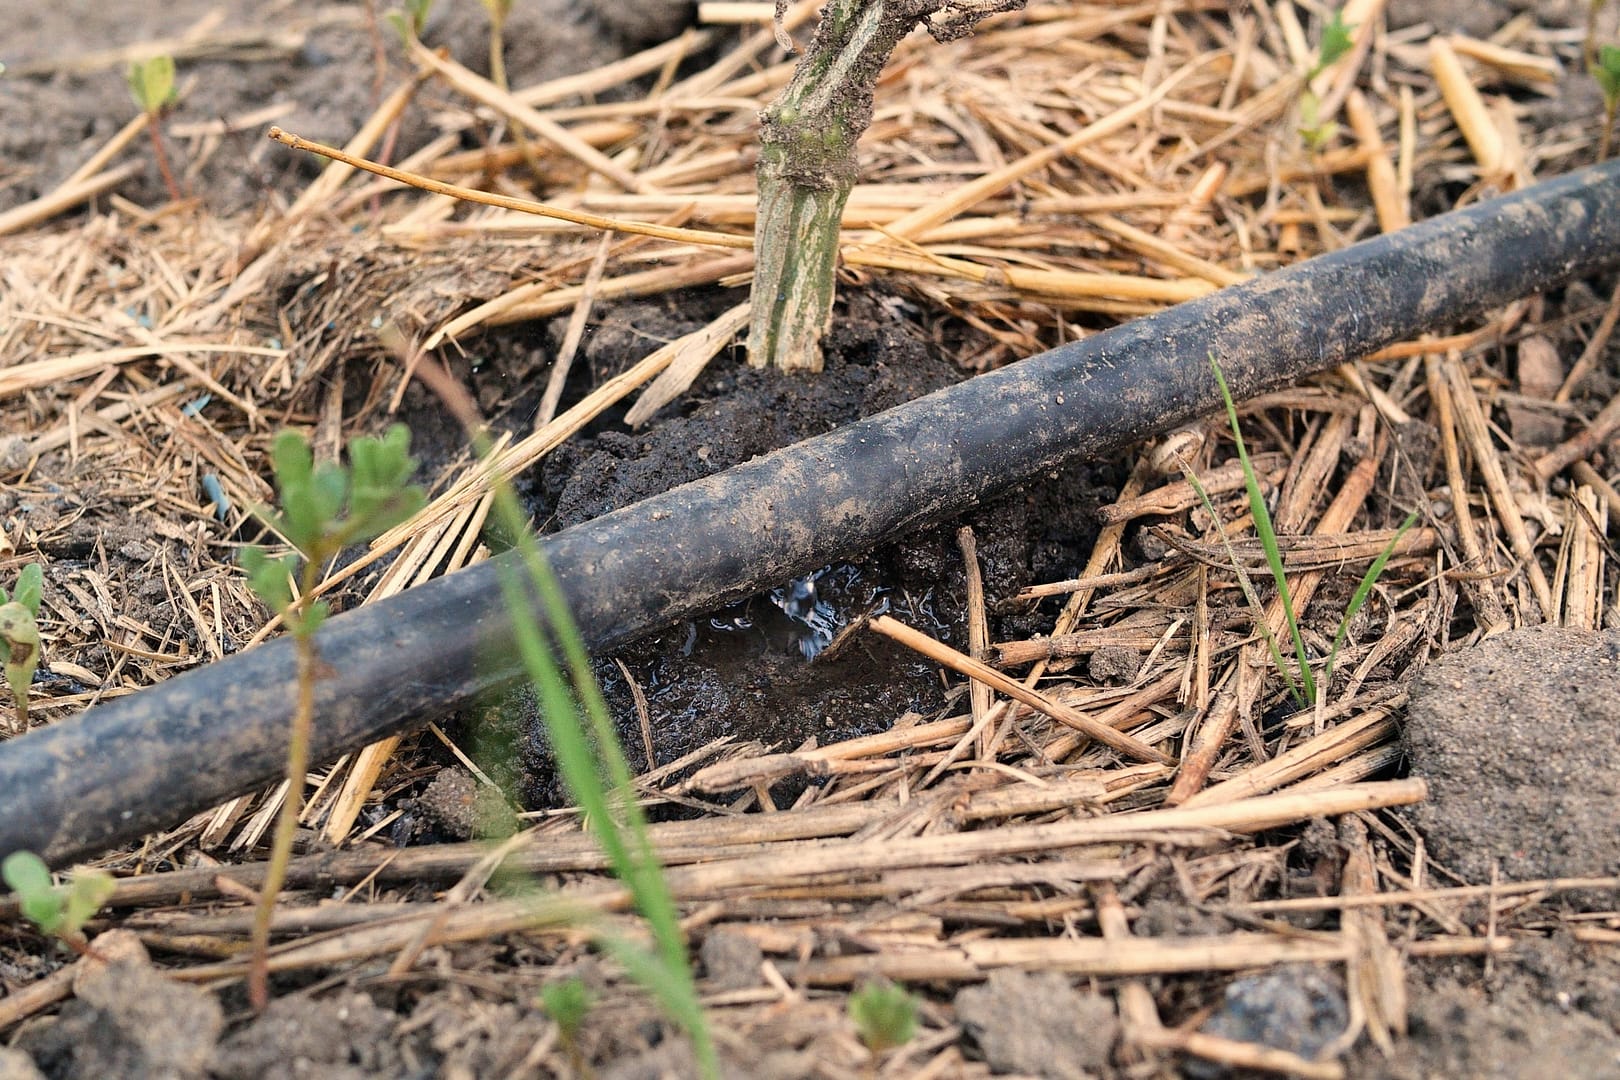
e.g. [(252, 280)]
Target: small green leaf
[(37, 898), (568, 1002), (1337, 39), (1607, 73), (151, 83), (270, 579), (411, 20), (884, 1014), (29, 588), (87, 891), (26, 873)]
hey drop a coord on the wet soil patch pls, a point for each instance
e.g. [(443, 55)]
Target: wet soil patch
[(762, 669)]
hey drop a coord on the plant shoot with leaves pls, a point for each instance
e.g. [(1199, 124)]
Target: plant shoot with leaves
[(19, 636), (151, 84), (58, 910), (1337, 40), (324, 509)]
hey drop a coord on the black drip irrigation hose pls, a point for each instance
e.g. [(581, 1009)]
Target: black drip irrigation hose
[(140, 763)]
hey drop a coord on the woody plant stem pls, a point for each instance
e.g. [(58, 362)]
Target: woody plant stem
[(807, 163)]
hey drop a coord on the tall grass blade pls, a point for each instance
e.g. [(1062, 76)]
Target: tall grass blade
[(598, 777), (1246, 586), (1268, 535)]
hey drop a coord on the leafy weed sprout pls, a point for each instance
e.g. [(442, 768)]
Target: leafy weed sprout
[(884, 1015), (151, 84), (19, 636), (1606, 70), (324, 509), (568, 1002), (1305, 688), (1336, 41), (410, 19), (58, 910)]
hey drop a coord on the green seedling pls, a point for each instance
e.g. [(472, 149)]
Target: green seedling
[(1267, 533), (1606, 70), (596, 773), (1305, 690), (151, 84), (324, 509), (1250, 596), (410, 19), (568, 1002), (1337, 40), (1363, 591), (19, 636), (807, 163), (884, 1014), (58, 910)]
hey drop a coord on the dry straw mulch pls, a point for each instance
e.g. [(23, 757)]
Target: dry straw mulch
[(1063, 169)]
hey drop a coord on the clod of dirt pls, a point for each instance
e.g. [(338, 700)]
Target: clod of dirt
[(129, 1021), (1457, 1031), (731, 960), (452, 802), (343, 1038), (1517, 741), (1299, 1009), (1038, 1024), (1113, 664), (13, 454)]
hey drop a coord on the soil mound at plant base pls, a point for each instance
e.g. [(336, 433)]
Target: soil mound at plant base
[(1519, 739)]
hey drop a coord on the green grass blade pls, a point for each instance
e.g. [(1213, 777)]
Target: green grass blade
[(1363, 591), (1247, 587), (598, 776), (1268, 535)]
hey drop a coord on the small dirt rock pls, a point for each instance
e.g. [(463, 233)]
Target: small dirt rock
[(1516, 738), (129, 1021), (344, 1037), (1038, 1024), (1299, 1009), (731, 960)]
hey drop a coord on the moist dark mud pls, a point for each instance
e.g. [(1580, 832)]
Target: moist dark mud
[(751, 671)]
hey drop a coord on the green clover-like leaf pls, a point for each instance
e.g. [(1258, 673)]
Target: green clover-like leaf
[(1337, 39), (270, 579), (29, 588), (151, 83), (87, 891), (1607, 74), (28, 876)]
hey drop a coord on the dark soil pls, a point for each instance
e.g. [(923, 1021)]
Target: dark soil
[(752, 671)]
